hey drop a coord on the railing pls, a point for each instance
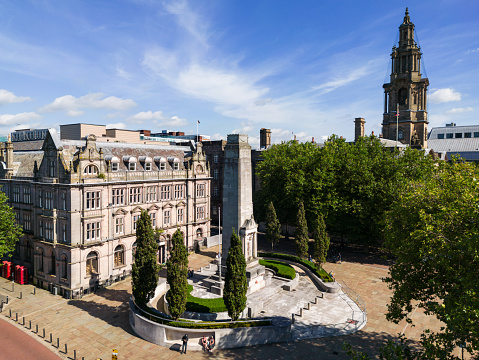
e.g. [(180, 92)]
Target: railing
[(353, 295)]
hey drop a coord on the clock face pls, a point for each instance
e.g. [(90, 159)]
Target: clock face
[(199, 169)]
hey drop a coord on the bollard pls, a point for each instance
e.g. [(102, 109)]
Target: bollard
[(23, 321), (34, 290), (44, 333), (7, 299), (51, 340), (30, 326), (66, 351), (58, 343), (309, 306), (21, 295), (16, 317), (74, 355), (36, 329), (301, 312), (10, 313), (13, 286)]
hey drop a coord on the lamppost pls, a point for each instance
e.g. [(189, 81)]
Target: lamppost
[(221, 242)]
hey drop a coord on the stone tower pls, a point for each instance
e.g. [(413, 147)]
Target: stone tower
[(264, 138), (406, 91), (358, 128)]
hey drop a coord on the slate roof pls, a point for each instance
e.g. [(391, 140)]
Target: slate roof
[(454, 145), (25, 162)]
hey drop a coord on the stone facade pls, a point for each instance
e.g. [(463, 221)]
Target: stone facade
[(215, 153), (78, 201), (406, 92)]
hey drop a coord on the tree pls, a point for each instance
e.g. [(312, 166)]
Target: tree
[(433, 230), (321, 240), (145, 268), (236, 285), (177, 276), (301, 237), (273, 227), (10, 231)]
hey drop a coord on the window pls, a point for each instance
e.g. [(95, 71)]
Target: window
[(26, 195), (64, 263), (119, 225), (92, 200), (176, 166), (114, 166), (200, 213), (153, 219), (162, 166), (458, 136), (181, 218), (215, 159), (166, 217), (165, 192), (29, 251), (93, 231), (52, 168), (179, 191), (40, 228), (449, 136), (440, 136), (48, 200), (215, 174), (53, 270), (476, 134), (148, 166), (200, 190), (64, 232), (17, 217), (135, 195), (151, 194), (64, 200), (119, 256), (132, 166), (90, 170), (27, 222), (92, 263), (40, 260), (467, 135), (49, 230), (40, 198), (118, 196), (199, 233), (16, 193), (216, 191), (135, 219), (215, 210)]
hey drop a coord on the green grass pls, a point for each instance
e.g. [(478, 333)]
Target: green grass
[(317, 270), (204, 305), (282, 269)]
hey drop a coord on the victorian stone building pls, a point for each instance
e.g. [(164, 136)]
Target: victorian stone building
[(78, 200), (406, 93)]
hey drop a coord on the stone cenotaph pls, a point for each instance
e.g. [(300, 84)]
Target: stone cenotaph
[(238, 207)]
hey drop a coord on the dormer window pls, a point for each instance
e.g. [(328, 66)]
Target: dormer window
[(90, 170), (113, 161), (146, 161), (130, 162), (175, 163), (161, 162)]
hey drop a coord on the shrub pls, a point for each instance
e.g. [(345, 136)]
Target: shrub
[(317, 270), (282, 269)]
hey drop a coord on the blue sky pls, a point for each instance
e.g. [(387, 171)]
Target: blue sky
[(305, 67)]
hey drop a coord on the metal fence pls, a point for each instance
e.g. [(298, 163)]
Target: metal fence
[(353, 295)]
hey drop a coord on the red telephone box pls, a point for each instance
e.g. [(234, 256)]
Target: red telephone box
[(7, 269), (21, 275)]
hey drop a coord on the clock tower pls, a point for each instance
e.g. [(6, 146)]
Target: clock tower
[(406, 93)]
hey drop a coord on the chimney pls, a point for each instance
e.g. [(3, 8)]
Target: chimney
[(264, 138), (9, 156), (312, 140), (358, 128)]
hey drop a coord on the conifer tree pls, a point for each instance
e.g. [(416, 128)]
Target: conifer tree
[(273, 227), (321, 240), (236, 285), (301, 237), (177, 276), (145, 268)]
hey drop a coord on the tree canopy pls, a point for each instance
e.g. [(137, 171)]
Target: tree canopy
[(301, 237), (177, 276), (273, 227), (145, 268), (10, 231)]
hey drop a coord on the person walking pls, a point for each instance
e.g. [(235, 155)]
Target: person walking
[(185, 343)]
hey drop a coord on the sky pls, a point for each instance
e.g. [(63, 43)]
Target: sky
[(300, 68)]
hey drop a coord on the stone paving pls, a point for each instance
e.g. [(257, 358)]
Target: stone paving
[(98, 323)]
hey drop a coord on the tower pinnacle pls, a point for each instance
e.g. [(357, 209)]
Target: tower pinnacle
[(406, 20)]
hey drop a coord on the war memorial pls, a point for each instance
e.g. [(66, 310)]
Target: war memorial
[(285, 310)]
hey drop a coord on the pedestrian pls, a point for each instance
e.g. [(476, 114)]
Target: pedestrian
[(211, 343), (331, 274), (339, 258), (185, 343), (310, 258), (204, 343)]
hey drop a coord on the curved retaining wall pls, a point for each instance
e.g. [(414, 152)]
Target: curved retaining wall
[(170, 337)]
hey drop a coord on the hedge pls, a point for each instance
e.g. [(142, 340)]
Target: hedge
[(317, 270), (282, 269), (204, 305)]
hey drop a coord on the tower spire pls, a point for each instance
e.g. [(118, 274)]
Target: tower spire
[(406, 20)]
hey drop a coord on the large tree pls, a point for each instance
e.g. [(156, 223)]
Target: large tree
[(177, 276), (273, 227), (433, 230), (301, 237), (145, 268), (321, 240), (236, 285), (10, 231)]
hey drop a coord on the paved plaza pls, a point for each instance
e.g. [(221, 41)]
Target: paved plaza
[(98, 323)]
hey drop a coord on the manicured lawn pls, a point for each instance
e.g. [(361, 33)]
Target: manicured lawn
[(282, 269), (204, 305)]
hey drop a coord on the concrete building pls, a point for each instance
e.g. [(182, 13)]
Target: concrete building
[(406, 93), (462, 141), (78, 200)]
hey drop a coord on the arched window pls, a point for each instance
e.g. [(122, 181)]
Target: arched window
[(64, 262), (119, 258), (402, 96), (90, 170), (199, 233), (54, 264), (92, 263)]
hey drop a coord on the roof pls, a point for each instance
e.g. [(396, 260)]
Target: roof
[(454, 145)]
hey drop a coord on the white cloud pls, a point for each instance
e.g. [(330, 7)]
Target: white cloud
[(118, 125), (9, 119), (245, 128), (7, 97), (71, 105), (158, 119), (444, 95), (353, 75), (459, 110), (472, 51)]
